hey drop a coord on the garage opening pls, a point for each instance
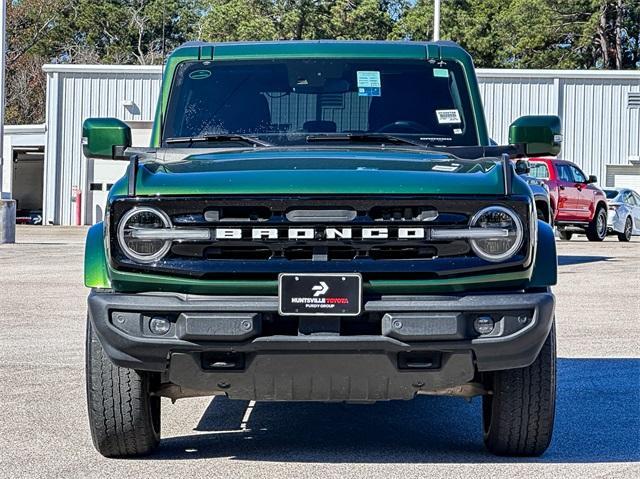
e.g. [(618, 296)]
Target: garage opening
[(28, 178), (625, 176)]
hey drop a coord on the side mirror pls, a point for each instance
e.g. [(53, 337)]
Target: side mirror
[(522, 167), (105, 138), (592, 179), (540, 135)]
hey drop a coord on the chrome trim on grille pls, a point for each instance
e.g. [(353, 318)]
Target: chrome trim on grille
[(334, 216), (171, 234), (468, 233)]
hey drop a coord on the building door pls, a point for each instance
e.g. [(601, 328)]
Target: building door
[(104, 174)]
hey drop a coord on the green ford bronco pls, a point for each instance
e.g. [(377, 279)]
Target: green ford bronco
[(321, 221)]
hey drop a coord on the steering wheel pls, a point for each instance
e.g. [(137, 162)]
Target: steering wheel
[(402, 126)]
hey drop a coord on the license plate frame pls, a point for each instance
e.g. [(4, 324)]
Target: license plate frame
[(306, 294)]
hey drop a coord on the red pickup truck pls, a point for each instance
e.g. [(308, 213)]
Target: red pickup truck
[(577, 204)]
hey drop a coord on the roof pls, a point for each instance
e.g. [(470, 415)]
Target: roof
[(319, 48), (286, 44), (25, 129), (83, 68)]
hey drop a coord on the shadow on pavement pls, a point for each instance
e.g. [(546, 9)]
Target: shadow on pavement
[(598, 420), (567, 260)]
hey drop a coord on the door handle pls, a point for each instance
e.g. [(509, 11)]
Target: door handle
[(562, 187)]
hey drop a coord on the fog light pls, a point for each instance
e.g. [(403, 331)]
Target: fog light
[(159, 326), (484, 325)]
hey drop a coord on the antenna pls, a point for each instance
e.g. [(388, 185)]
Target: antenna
[(436, 20)]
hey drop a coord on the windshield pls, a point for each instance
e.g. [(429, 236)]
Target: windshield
[(283, 102), (611, 194)]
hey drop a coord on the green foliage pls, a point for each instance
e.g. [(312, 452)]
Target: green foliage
[(361, 20), (415, 22), (231, 20), (226, 20), (534, 33), (126, 31)]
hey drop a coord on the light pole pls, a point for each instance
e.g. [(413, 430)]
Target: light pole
[(7, 205), (436, 20)]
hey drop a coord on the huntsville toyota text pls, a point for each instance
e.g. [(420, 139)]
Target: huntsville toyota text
[(321, 221)]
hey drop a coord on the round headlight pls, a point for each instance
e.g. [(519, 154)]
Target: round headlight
[(507, 237), (141, 249)]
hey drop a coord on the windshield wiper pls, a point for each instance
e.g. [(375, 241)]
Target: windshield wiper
[(217, 138), (364, 138)]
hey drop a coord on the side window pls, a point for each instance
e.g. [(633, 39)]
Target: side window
[(629, 199), (636, 196), (578, 176), (564, 172), (539, 170)]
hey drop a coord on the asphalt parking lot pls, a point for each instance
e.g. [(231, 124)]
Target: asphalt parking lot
[(44, 432)]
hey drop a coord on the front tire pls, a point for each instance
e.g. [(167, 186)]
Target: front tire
[(626, 235), (597, 229), (565, 235), (123, 416), (518, 417)]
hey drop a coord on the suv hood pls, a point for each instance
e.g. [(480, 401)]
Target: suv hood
[(316, 171)]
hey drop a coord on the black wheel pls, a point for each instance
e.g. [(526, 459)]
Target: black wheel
[(597, 229), (123, 416), (565, 235), (541, 214), (518, 417), (626, 235)]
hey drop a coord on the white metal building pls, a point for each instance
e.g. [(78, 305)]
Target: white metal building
[(77, 92), (600, 112)]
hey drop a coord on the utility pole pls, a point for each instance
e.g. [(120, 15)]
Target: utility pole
[(7, 205), (436, 20)]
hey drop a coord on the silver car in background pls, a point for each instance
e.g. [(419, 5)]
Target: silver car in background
[(624, 212)]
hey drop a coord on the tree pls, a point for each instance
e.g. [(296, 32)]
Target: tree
[(86, 31), (31, 26), (127, 31), (534, 33), (361, 19), (299, 19), (235, 20)]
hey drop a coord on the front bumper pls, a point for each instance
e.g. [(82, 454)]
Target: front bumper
[(424, 344)]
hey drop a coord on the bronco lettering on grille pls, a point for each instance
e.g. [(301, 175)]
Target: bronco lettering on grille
[(320, 233)]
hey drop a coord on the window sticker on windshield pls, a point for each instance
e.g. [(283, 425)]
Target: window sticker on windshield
[(200, 74), (448, 117), (441, 73), (369, 84), (437, 139)]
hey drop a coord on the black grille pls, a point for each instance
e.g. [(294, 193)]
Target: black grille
[(265, 258)]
